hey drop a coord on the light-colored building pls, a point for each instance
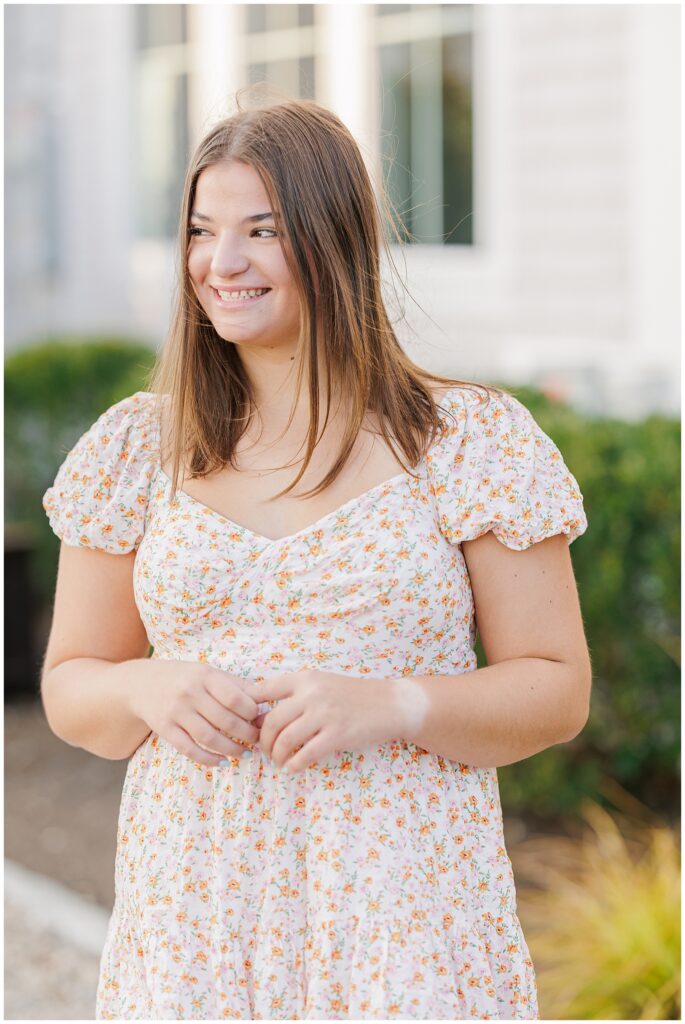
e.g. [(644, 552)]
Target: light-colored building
[(536, 156)]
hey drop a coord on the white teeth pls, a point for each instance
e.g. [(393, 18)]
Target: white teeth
[(243, 294)]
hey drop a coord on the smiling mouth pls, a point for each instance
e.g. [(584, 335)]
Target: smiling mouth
[(241, 297)]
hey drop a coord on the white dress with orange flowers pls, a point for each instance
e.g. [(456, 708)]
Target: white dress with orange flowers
[(374, 884)]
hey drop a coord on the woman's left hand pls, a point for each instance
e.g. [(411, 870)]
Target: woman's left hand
[(322, 712)]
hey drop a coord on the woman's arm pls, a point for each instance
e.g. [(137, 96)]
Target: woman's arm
[(87, 703), (96, 657), (535, 690)]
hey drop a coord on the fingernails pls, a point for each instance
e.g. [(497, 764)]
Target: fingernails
[(226, 763)]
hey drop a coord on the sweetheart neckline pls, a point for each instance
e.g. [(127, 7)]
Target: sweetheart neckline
[(390, 483)]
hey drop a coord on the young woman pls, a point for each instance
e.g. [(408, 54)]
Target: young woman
[(310, 824)]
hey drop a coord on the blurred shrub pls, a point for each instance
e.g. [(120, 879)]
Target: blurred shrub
[(601, 917), (627, 566), (54, 391)]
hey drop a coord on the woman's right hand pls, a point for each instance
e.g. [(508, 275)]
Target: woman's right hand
[(194, 706)]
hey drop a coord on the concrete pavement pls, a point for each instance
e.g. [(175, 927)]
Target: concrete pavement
[(53, 939)]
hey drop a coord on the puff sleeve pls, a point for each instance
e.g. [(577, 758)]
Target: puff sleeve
[(496, 469), (100, 494)]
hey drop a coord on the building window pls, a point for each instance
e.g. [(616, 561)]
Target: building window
[(272, 17), (281, 48), (161, 25), (161, 128), (34, 147), (425, 61), (293, 77)]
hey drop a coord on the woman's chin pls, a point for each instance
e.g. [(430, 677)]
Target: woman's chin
[(254, 340)]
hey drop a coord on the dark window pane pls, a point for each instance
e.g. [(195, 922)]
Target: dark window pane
[(161, 24), (294, 77), (456, 18), (256, 17), (426, 134), (405, 8), (279, 16), (272, 17), (426, 140), (307, 82), (162, 158), (305, 14), (256, 73), (182, 149), (396, 130), (457, 108)]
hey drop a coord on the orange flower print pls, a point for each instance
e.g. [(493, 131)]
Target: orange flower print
[(265, 871)]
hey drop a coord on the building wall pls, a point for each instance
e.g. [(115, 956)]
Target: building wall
[(68, 171), (572, 278)]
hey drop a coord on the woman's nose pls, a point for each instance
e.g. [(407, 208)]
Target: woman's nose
[(228, 257)]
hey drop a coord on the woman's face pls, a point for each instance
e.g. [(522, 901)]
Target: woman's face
[(235, 246)]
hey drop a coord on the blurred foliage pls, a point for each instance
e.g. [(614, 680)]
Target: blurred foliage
[(627, 564), (627, 567), (54, 391), (601, 916)]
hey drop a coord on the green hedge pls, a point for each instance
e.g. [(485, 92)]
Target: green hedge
[(627, 564), (54, 391)]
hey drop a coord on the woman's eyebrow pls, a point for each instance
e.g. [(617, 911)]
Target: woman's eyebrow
[(253, 218), (260, 216)]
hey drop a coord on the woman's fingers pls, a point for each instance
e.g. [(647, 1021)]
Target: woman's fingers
[(229, 693), (205, 735), (186, 745), (316, 748), (293, 736), (226, 721), (277, 722)]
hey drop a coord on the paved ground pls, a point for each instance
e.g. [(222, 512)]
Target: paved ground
[(61, 807), (52, 947), (45, 979)]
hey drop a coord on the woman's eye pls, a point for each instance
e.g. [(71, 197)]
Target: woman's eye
[(271, 233)]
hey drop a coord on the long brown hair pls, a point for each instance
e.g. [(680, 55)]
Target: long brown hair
[(331, 232)]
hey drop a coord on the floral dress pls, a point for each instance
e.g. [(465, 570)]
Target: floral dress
[(374, 884)]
